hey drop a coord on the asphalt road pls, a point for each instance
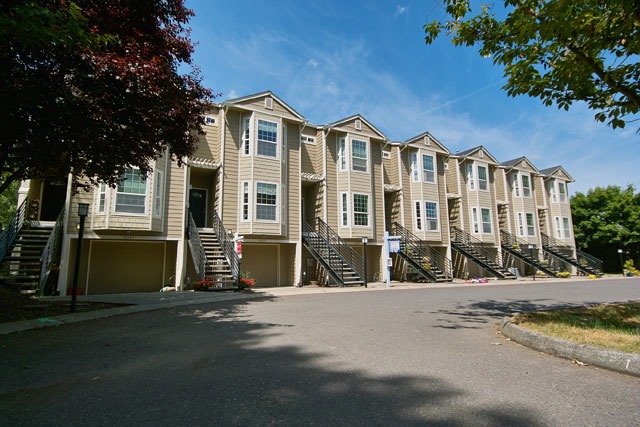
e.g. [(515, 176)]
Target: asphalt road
[(389, 357)]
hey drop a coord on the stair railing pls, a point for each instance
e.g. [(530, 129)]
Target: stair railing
[(519, 248), (350, 256), (331, 260), (462, 238), (13, 227), (227, 245), (584, 261), (590, 260), (197, 249), (51, 255), (413, 244), (548, 241)]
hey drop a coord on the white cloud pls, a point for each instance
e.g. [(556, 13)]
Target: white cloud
[(401, 10)]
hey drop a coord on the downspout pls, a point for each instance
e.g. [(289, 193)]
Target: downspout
[(324, 169), (66, 241), (400, 150)]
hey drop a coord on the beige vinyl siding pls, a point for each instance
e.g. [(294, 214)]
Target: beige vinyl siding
[(391, 176), (175, 200), (452, 176), (377, 191), (73, 220), (279, 110), (293, 195), (230, 173), (539, 192), (331, 182), (442, 201), (501, 192), (158, 222)]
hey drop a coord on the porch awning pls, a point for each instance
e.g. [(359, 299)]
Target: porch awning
[(203, 163)]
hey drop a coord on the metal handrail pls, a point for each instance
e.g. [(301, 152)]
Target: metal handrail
[(351, 257), (459, 236), (197, 249), (227, 245), (592, 261), (9, 234), (551, 242), (51, 253), (517, 247), (556, 247), (414, 245)]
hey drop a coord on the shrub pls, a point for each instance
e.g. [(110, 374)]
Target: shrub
[(563, 274)]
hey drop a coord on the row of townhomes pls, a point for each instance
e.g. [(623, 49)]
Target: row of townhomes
[(305, 204)]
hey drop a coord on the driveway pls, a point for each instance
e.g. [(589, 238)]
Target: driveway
[(389, 357)]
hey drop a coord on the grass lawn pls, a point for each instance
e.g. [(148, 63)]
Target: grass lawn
[(613, 326)]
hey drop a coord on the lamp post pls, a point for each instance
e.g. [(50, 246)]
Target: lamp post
[(533, 269), (364, 257), (620, 252), (83, 210)]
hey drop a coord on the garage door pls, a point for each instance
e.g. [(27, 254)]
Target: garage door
[(261, 261), (117, 267)]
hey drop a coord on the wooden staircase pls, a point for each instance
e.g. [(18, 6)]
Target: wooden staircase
[(20, 268)]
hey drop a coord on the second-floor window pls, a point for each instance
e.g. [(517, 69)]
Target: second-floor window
[(470, 177), (342, 154), (562, 190), (566, 226), (266, 201), (515, 185), (131, 193), (415, 174), (344, 209), (431, 215), (102, 198), (361, 210), (158, 193), (246, 136), (359, 155), (245, 200), (486, 220), (267, 138), (418, 216), (531, 228), (483, 180), (526, 185)]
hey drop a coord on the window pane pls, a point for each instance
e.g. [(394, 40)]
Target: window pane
[(359, 155), (431, 213), (567, 228), (267, 138), (345, 211), (414, 167), (361, 209), (526, 187), (531, 230), (482, 178), (418, 217), (428, 174), (266, 201), (486, 220), (131, 193)]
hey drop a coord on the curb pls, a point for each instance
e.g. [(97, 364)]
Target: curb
[(627, 363)]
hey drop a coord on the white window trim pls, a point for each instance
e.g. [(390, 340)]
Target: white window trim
[(245, 135), (475, 224), (566, 221), (245, 189), (434, 171), (102, 189), (386, 154), (158, 194), (417, 214), (521, 225), (277, 143), (427, 219), (486, 168), (146, 200), (533, 224), (276, 206), (530, 187), (515, 184), (344, 209), (490, 221), (353, 210), (210, 120), (342, 154), (415, 172), (558, 226), (305, 139), (564, 195)]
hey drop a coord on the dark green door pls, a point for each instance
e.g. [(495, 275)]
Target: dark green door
[(198, 206)]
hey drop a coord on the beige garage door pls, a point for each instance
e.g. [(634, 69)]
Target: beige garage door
[(262, 263), (117, 267)]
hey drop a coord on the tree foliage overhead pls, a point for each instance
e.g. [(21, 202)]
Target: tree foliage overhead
[(92, 87), (560, 51), (608, 218)]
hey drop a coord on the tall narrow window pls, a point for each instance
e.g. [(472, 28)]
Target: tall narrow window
[(552, 191), (267, 138), (483, 181), (470, 178), (567, 227), (414, 167), (245, 201), (246, 135), (102, 198), (558, 228), (486, 221), (132, 192), (428, 171), (515, 185), (562, 190), (474, 220), (431, 215), (361, 209), (418, 216), (531, 228), (520, 224), (157, 194), (526, 186), (342, 154), (344, 209), (359, 155), (266, 201)]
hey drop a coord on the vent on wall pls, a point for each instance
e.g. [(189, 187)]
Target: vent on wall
[(427, 141), (481, 153), (268, 103), (210, 120), (358, 124)]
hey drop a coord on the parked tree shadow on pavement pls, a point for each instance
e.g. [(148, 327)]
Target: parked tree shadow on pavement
[(215, 365)]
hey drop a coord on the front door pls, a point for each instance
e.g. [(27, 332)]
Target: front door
[(198, 206), (53, 197)]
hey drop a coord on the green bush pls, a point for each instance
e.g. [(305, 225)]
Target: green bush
[(563, 274)]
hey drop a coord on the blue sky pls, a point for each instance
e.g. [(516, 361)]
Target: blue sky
[(330, 59)]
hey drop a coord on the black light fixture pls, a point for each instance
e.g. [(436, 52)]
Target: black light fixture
[(620, 252), (83, 211)]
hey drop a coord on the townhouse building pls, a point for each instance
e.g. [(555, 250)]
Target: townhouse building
[(305, 204)]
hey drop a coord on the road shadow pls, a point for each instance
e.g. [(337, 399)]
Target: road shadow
[(215, 365), (477, 314)]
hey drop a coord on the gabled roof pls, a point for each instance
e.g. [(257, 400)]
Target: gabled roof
[(236, 101), (470, 152), (360, 117), (422, 136), (511, 164), (557, 171)]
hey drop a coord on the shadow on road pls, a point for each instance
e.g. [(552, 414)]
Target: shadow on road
[(212, 365)]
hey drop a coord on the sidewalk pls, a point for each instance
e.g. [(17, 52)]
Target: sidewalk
[(146, 301)]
